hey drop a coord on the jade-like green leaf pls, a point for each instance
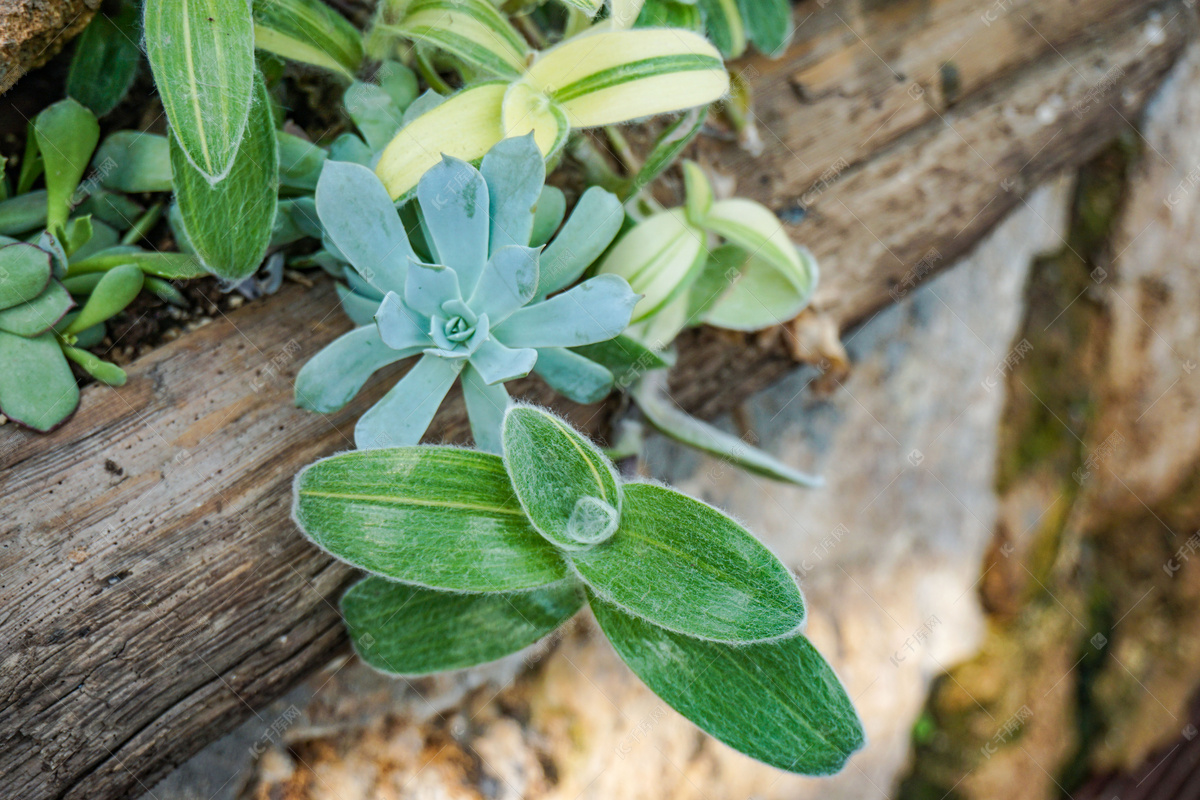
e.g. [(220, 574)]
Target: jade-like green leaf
[(407, 630), (23, 213), (106, 60), (172, 266), (24, 273), (669, 420), (116, 289), (98, 368), (132, 161), (229, 224), (593, 311), (778, 701), (437, 517), (567, 487), (67, 134), (202, 55), (685, 566), (39, 314), (37, 388), (300, 162), (308, 31)]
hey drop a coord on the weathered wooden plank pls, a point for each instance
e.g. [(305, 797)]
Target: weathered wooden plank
[(153, 589)]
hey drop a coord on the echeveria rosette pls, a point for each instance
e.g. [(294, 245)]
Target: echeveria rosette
[(473, 556), (474, 303)]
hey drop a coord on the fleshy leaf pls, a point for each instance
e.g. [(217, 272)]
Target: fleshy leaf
[(407, 630), (768, 24), (496, 363), (98, 368), (172, 266), (24, 273), (723, 21), (308, 31), (400, 328), (106, 60), (626, 358), (117, 289), (760, 293), (699, 192), (37, 388), (358, 216), (614, 76), (437, 517), (553, 471), (374, 112), (778, 701), (588, 232), (428, 286), (667, 147), (574, 376), (23, 213), (548, 215), (454, 201), (465, 126), (402, 416), (132, 161), (335, 375), (509, 281), (671, 421), (527, 110), (486, 404), (515, 171), (39, 314), (698, 572), (229, 224), (202, 56), (67, 134), (300, 162), (593, 311)]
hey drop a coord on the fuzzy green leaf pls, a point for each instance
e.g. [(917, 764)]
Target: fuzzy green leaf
[(566, 485), (202, 56), (37, 388), (229, 224), (67, 134), (686, 567), (778, 701), (106, 60), (407, 630), (437, 517)]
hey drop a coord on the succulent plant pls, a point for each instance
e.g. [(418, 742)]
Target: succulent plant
[(468, 292)]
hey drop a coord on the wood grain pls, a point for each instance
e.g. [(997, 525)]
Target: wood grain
[(153, 590)]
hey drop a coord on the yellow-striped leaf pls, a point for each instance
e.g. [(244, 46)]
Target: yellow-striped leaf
[(202, 56), (608, 77), (472, 30), (308, 31)]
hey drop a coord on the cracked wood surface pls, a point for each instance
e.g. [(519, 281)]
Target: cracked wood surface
[(153, 590)]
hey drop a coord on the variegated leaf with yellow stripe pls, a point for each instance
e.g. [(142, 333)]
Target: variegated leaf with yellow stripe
[(308, 31), (473, 31)]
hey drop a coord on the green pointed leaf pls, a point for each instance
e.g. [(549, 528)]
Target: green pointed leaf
[(697, 571), (106, 60), (567, 487), (37, 388), (133, 162), (39, 314), (112, 294), (667, 147), (669, 420), (407, 630), (229, 224), (778, 701), (202, 56), (24, 273), (67, 134), (308, 31), (437, 517)]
